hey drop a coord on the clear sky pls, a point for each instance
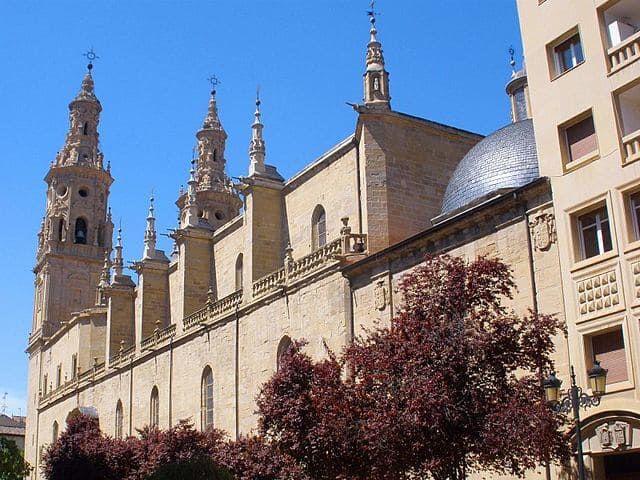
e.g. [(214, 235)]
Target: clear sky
[(447, 60)]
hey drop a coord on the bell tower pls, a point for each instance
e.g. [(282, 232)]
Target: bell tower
[(215, 198), (76, 229)]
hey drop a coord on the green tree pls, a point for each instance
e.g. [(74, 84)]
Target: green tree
[(12, 463)]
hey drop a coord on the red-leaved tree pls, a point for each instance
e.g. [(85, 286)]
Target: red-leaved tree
[(83, 452), (253, 458), (452, 386)]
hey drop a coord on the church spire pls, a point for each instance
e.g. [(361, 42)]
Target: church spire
[(150, 234), (81, 144), (211, 199), (376, 78), (211, 143), (257, 150)]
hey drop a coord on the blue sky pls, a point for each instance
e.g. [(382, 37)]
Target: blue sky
[(447, 60)]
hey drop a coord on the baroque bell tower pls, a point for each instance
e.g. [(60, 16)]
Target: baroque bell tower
[(76, 229), (215, 198)]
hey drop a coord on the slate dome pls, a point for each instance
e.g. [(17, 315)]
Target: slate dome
[(506, 159)]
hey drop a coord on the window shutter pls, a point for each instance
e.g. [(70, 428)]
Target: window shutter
[(609, 349)]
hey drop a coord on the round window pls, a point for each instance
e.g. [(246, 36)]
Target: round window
[(61, 190), (83, 192)]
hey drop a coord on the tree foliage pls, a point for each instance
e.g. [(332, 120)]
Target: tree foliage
[(12, 463), (84, 452), (451, 386)]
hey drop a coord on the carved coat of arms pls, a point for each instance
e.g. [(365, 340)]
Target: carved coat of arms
[(613, 436), (543, 231), (381, 295)]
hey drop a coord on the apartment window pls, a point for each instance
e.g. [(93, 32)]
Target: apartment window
[(206, 408), (594, 233), (154, 408), (634, 206), (119, 420), (608, 349), (580, 139), (568, 54)]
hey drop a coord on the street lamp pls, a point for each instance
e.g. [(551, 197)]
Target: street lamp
[(575, 398)]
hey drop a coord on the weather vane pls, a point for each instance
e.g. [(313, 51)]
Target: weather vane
[(213, 80), (512, 62), (91, 56), (372, 11)]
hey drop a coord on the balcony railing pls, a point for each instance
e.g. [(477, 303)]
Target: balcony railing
[(631, 146), (157, 337), (624, 53), (213, 310)]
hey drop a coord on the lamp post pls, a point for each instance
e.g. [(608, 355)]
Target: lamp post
[(574, 398)]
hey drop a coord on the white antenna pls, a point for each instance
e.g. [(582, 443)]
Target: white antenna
[(3, 406)]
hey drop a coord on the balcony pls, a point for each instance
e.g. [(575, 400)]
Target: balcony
[(622, 23), (628, 104)]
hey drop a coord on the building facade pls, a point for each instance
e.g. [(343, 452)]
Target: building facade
[(266, 260), (584, 81)]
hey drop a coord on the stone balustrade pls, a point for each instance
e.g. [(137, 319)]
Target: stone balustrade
[(624, 53), (213, 310), (158, 336), (196, 318), (268, 283), (124, 355), (224, 305)]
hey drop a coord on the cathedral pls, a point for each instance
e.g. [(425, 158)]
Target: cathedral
[(265, 260)]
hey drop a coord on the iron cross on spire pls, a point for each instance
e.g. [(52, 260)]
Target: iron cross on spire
[(372, 11), (91, 56), (213, 80)]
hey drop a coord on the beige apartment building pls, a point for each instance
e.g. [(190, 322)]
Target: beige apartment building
[(266, 260), (584, 84)]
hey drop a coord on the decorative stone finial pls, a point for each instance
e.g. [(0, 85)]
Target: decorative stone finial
[(150, 233), (257, 149), (191, 214), (212, 121), (106, 270), (118, 261)]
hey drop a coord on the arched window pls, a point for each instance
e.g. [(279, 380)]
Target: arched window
[(206, 403), (283, 346), (318, 228), (55, 431), (154, 408), (215, 155), (80, 235), (239, 261), (85, 129), (119, 420)]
